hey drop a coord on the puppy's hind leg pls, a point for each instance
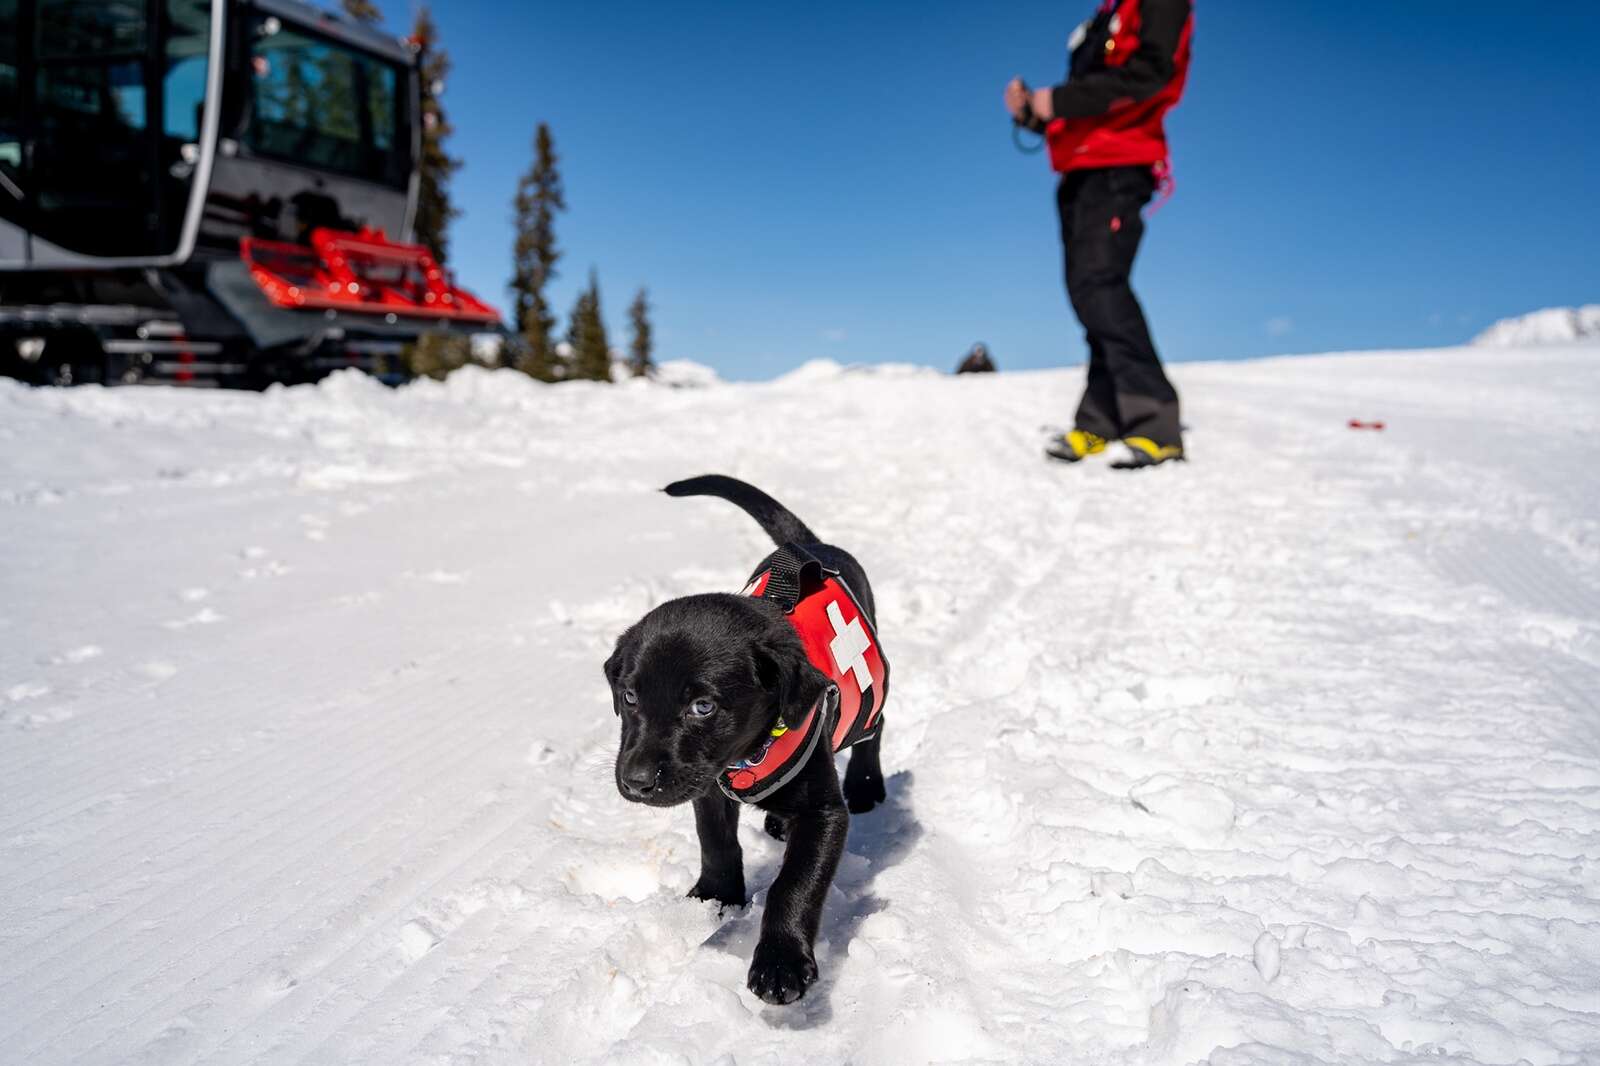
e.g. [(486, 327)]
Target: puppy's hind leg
[(716, 818), (863, 778)]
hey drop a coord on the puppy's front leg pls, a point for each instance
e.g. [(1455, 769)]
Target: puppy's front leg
[(716, 818), (784, 965)]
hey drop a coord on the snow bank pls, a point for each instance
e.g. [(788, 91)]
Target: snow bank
[(817, 370), (1287, 756), (684, 374), (673, 373), (1554, 325)]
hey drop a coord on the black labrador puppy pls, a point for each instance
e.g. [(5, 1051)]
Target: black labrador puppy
[(727, 699)]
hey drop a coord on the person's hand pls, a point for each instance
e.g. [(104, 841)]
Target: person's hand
[(1044, 104), (1016, 98)]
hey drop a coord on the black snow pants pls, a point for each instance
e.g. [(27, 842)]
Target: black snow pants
[(1128, 394)]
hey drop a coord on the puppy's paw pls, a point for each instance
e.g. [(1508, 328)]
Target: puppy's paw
[(863, 794), (725, 893), (777, 828), (781, 971)]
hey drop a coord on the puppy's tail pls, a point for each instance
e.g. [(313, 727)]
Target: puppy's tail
[(778, 521)]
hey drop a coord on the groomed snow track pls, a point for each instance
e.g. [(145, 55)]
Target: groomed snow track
[(1290, 755)]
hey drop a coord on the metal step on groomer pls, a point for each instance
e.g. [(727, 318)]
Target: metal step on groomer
[(161, 353)]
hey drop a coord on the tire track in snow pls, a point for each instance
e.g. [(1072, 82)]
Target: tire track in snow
[(134, 720), (357, 962), (269, 868), (181, 853)]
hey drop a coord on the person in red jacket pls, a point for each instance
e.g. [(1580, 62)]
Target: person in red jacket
[(1104, 128)]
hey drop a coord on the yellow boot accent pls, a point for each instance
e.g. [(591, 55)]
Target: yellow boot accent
[(1075, 445), (1085, 443), (1148, 453)]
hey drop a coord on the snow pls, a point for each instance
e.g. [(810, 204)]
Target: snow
[(816, 371), (1290, 755), (684, 374), (1554, 325)]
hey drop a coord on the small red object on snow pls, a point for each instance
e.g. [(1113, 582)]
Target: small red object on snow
[(1356, 423)]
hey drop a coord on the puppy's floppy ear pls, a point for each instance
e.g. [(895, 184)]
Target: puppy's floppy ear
[(627, 646), (783, 670)]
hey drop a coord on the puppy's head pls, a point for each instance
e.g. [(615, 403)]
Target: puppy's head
[(698, 683)]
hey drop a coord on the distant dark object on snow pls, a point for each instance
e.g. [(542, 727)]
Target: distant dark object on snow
[(977, 361)]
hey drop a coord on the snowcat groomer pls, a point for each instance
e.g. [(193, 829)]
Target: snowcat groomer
[(211, 192)]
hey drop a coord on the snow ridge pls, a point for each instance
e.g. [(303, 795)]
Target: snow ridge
[(1554, 325)]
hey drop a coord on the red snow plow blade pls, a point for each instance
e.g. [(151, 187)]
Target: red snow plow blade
[(362, 272)]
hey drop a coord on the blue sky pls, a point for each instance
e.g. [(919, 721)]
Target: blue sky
[(837, 179)]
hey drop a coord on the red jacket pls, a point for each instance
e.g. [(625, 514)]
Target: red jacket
[(1127, 69)]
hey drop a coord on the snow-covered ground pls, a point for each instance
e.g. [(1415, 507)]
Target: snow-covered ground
[(1290, 755)]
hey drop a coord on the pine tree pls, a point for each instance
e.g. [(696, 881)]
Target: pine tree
[(586, 332), (534, 256), (292, 105), (577, 323), (334, 96), (435, 355), (434, 210), (639, 352), (363, 11)]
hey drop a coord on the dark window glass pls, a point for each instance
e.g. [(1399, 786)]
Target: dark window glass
[(92, 174), (184, 83), (10, 114), (107, 174), (383, 95), (326, 106), (78, 29)]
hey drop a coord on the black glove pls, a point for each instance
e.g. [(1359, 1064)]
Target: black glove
[(1029, 120)]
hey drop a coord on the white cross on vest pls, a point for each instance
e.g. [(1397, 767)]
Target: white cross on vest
[(849, 646)]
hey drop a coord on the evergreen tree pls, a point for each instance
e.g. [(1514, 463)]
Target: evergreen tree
[(534, 256), (363, 11), (639, 352), (287, 101), (586, 332), (334, 96), (435, 355), (434, 210)]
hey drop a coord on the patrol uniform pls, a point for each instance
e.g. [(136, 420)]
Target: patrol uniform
[(1127, 68)]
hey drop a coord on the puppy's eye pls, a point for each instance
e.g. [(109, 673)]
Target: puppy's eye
[(702, 708), (630, 697)]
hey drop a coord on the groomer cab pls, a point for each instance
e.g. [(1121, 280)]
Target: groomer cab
[(211, 192)]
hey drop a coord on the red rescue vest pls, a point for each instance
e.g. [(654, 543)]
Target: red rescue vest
[(1131, 133), (840, 641)]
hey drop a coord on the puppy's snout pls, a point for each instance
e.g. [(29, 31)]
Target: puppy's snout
[(641, 779)]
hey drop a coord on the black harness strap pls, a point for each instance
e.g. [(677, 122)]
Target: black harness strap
[(792, 572)]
